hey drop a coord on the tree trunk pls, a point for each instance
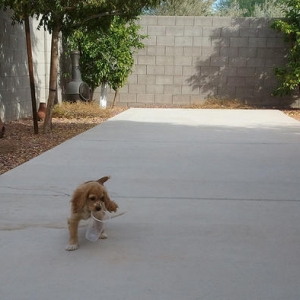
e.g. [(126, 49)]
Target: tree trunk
[(115, 98), (53, 78), (103, 95), (31, 76)]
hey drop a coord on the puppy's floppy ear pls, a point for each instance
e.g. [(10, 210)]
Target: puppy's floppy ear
[(110, 205), (103, 179), (78, 200)]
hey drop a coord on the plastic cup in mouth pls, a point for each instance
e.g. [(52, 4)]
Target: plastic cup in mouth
[(96, 225)]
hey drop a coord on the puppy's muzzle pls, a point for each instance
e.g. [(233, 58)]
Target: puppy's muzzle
[(98, 207)]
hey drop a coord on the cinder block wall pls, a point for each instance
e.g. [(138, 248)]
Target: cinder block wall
[(15, 97), (189, 59)]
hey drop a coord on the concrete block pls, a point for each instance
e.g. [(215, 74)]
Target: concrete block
[(191, 51), (155, 70), (165, 40), (181, 99), (239, 42), (151, 40), (154, 89), (244, 92), (193, 31), (222, 22), (257, 42), (211, 31), (219, 42), (230, 32), (189, 90), (167, 79), (140, 69), (227, 71), (183, 41), (166, 20), (146, 60), (173, 70), (276, 42), (155, 50), (226, 92), (247, 52), (237, 61), (255, 62), (209, 71), (220, 61), (145, 98), (188, 70), (163, 99), (182, 61), (174, 31), (208, 51), (164, 60), (137, 88), (147, 20), (156, 30), (176, 51), (203, 21), (246, 71), (146, 79), (241, 22), (203, 61), (236, 81), (248, 32), (184, 20), (172, 89), (229, 52), (202, 41), (128, 97)]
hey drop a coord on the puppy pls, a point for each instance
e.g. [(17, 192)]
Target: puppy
[(90, 196)]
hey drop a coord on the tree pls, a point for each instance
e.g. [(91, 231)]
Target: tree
[(250, 8), (184, 8), (64, 16), (107, 56), (289, 76)]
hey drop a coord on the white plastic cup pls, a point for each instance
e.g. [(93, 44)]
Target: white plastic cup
[(96, 226)]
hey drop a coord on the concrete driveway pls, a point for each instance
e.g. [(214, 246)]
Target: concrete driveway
[(213, 210)]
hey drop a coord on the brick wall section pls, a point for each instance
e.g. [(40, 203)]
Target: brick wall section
[(15, 97), (189, 59)]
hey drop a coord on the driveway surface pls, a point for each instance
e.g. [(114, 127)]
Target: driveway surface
[(213, 210)]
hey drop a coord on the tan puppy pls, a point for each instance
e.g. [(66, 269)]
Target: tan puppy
[(88, 197)]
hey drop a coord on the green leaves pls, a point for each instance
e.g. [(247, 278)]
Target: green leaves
[(107, 56), (289, 76)]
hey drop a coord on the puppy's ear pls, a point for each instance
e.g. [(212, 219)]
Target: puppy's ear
[(78, 200), (103, 179), (109, 204)]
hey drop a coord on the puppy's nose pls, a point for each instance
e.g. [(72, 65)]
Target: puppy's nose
[(98, 208)]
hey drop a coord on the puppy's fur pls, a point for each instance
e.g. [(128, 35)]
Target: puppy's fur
[(89, 197)]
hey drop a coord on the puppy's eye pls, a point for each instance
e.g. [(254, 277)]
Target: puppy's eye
[(92, 198), (102, 198)]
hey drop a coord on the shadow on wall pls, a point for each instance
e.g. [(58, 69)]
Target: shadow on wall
[(15, 96), (241, 65)]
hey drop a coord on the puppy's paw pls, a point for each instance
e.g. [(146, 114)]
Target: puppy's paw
[(71, 247), (103, 235)]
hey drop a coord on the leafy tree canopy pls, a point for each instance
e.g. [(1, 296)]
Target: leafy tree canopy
[(250, 8), (183, 8), (289, 76)]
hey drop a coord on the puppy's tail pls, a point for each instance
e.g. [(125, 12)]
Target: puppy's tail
[(117, 214)]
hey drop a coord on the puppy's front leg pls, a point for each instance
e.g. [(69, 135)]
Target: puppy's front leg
[(73, 229)]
